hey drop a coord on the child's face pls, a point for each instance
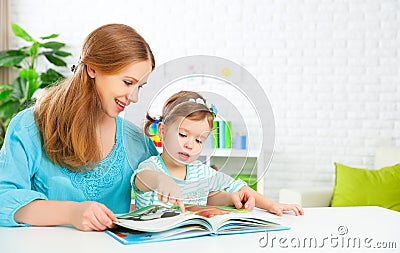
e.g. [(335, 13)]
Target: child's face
[(183, 141)]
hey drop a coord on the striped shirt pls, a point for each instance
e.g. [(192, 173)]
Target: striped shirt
[(200, 180)]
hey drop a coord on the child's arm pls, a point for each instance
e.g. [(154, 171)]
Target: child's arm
[(168, 191), (242, 199), (273, 207)]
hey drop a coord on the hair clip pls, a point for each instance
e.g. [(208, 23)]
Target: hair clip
[(214, 110), (74, 68), (198, 100), (156, 120)]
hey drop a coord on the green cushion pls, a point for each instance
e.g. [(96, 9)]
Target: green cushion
[(362, 187)]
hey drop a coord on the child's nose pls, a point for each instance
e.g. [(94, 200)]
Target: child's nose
[(189, 143)]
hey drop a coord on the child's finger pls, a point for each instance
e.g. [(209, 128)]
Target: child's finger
[(181, 205), (237, 202), (250, 202), (163, 198)]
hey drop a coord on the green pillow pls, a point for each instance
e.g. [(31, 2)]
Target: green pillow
[(362, 187)]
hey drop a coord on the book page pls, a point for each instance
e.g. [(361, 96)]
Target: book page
[(231, 219), (160, 218), (211, 218)]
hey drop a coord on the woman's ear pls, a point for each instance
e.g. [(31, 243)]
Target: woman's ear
[(91, 72)]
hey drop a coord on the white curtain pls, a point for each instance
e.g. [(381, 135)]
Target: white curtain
[(4, 38)]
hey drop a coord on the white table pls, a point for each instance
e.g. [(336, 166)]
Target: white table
[(345, 229)]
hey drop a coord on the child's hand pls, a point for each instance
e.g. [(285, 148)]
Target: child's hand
[(278, 208), (92, 216), (243, 199), (168, 191)]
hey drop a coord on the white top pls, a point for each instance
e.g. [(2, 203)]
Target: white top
[(200, 180)]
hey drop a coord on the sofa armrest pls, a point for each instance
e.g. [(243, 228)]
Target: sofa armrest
[(387, 156), (307, 197)]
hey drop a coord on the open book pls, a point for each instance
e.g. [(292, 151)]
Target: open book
[(159, 223)]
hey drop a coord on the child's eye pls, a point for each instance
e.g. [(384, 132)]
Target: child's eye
[(182, 135), (199, 141)]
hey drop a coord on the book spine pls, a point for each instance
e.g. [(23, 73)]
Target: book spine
[(228, 136), (215, 135), (221, 133)]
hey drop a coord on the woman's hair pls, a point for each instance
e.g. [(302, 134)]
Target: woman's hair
[(67, 114), (183, 104)]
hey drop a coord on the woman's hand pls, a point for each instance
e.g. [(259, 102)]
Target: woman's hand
[(85, 216), (92, 216)]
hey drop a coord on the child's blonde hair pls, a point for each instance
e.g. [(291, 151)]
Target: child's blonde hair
[(183, 104)]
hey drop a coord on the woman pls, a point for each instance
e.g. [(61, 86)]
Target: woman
[(63, 161)]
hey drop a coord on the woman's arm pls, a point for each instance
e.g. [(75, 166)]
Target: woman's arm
[(85, 216)]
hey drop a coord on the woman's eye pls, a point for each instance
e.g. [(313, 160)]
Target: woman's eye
[(127, 82)]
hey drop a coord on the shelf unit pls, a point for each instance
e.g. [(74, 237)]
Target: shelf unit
[(237, 161)]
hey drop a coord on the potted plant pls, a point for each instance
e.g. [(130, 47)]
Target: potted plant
[(18, 95)]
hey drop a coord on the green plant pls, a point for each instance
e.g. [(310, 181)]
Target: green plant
[(18, 95)]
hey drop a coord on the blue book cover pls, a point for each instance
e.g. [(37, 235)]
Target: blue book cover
[(160, 223), (221, 133)]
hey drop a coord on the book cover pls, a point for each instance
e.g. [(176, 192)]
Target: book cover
[(159, 223), (215, 135), (228, 136), (221, 133)]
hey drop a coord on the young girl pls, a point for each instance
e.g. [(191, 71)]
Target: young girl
[(176, 175)]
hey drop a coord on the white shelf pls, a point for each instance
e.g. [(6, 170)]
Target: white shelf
[(220, 152)]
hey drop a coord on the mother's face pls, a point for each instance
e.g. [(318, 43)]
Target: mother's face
[(117, 90)]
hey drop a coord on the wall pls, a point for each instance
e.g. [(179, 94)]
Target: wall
[(330, 68)]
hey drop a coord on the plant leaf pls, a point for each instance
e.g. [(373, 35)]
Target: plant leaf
[(34, 48), (28, 74), (9, 58), (17, 52), (62, 53), (19, 87), (9, 61), (9, 109), (53, 45), (50, 77), (5, 94), (55, 60), (19, 32), (50, 37), (33, 82), (5, 86)]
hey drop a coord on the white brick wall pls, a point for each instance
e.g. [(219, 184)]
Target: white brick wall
[(330, 68)]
